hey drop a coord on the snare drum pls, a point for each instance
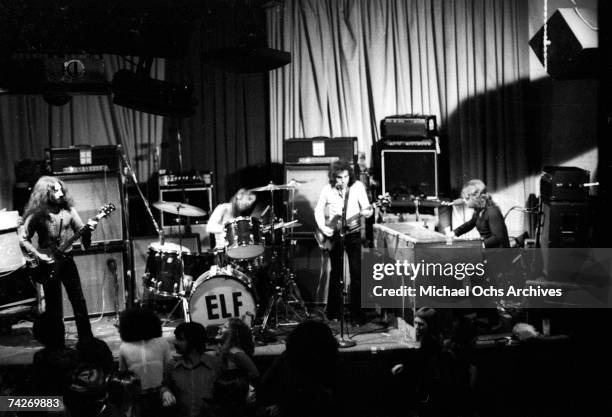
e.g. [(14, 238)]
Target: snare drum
[(244, 238), (163, 271), (221, 293)]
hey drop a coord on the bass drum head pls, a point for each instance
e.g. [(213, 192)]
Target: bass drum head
[(219, 294)]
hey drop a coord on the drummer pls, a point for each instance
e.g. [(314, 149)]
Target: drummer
[(241, 204)]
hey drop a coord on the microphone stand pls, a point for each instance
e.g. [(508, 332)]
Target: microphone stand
[(343, 343), (126, 163)]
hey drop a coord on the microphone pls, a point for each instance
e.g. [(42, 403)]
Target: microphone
[(339, 187)]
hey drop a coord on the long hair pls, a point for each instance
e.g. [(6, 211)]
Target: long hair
[(138, 324), (336, 168), (40, 199), (241, 193), (239, 335), (478, 189), (312, 348)]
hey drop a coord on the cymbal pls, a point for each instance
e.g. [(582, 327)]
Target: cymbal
[(279, 225), (180, 209), (274, 187)]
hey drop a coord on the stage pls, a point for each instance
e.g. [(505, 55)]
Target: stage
[(18, 346)]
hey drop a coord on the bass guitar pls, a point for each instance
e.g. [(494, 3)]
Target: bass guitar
[(46, 271)]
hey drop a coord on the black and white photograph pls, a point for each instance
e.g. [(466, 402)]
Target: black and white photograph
[(305, 208)]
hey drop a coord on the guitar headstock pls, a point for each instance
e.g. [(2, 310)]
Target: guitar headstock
[(105, 210), (383, 200)]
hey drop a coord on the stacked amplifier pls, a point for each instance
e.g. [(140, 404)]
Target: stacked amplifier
[(406, 157), (565, 207), (565, 219), (93, 178)]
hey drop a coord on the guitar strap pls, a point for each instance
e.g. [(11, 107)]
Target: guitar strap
[(346, 198)]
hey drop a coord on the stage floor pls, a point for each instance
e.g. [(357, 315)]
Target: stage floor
[(18, 346)]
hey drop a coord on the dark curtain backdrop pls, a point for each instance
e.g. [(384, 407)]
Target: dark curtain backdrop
[(228, 135), (355, 62), (28, 125)]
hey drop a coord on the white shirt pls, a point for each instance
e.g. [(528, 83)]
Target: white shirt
[(331, 203), (221, 215), (146, 359)]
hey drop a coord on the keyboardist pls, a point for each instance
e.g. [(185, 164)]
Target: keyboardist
[(487, 217)]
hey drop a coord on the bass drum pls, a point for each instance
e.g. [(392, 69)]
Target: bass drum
[(222, 293)]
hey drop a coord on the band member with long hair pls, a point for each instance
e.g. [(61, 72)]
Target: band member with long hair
[(487, 218), (241, 204), (50, 214), (346, 197)]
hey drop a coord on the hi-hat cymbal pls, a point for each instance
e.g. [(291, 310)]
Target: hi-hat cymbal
[(273, 187), (180, 209)]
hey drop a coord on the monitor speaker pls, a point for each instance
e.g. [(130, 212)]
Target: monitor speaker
[(90, 192), (573, 49), (98, 282)]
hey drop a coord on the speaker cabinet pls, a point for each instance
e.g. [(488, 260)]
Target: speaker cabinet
[(573, 50), (312, 270), (565, 224), (90, 192), (98, 282), (311, 180), (409, 172)]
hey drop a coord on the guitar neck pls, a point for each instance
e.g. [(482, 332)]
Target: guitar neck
[(77, 235)]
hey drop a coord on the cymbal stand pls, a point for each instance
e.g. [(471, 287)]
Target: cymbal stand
[(182, 295)]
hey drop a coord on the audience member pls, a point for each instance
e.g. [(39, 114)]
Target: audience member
[(230, 395), (124, 394), (52, 366), (189, 379), (302, 381), (87, 395), (426, 376), (144, 352), (237, 348)]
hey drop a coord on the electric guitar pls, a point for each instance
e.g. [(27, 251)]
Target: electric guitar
[(46, 271), (335, 222)]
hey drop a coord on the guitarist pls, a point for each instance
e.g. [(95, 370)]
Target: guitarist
[(344, 197), (50, 214)]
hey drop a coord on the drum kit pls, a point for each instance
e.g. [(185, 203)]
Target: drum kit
[(216, 285)]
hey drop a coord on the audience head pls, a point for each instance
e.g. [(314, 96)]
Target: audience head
[(137, 324), (88, 390), (475, 194), (190, 337), (236, 333), (49, 331), (124, 390), (426, 324), (312, 347)]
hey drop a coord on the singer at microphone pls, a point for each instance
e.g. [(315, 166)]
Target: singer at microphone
[(342, 202)]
